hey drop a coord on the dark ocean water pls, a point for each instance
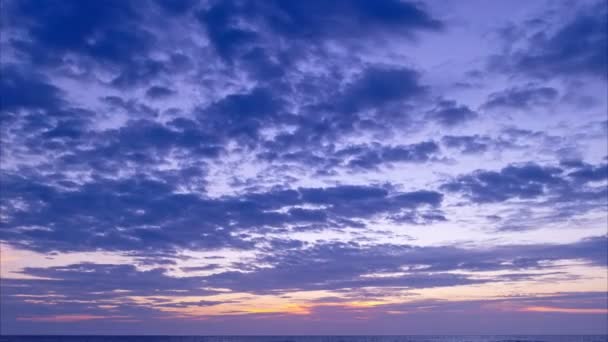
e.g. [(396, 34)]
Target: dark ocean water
[(454, 338)]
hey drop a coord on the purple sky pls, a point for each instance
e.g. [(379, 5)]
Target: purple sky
[(303, 167)]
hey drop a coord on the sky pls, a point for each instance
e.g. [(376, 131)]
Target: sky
[(303, 167)]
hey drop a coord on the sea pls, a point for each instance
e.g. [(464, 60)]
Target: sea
[(418, 338)]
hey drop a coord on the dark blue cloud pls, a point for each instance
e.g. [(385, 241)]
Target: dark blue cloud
[(104, 30), (92, 216), (72, 288), (449, 113), (355, 158), (340, 266), (319, 18), (578, 47), (145, 214), (25, 89), (77, 38), (158, 92), (467, 144), (522, 97), (241, 116), (371, 101), (525, 181), (89, 278), (377, 87), (219, 21), (141, 143), (261, 67), (589, 173), (560, 193), (141, 72), (36, 115), (310, 21), (369, 157)]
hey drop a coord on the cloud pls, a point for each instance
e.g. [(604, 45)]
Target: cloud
[(369, 157), (576, 47), (158, 92), (344, 266), (589, 173), (229, 23), (218, 22), (370, 101), (353, 272), (538, 194), (23, 89), (318, 18), (104, 31), (241, 116), (77, 39), (525, 181), (449, 113), (336, 266), (325, 317), (146, 214), (521, 97), (209, 267), (377, 87), (467, 144), (86, 279)]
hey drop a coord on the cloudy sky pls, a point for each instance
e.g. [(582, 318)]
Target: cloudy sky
[(303, 167)]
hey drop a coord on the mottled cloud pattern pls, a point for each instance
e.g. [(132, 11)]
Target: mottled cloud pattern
[(303, 167)]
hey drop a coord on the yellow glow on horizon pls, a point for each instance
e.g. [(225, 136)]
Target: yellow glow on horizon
[(362, 304), (570, 276), (298, 303), (590, 278), (292, 309)]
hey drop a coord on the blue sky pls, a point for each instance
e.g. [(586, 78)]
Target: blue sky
[(303, 167)]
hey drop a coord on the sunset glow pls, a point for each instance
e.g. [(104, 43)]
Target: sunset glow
[(303, 167)]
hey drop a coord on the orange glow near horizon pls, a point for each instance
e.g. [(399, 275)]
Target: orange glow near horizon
[(292, 309), (299, 309), (363, 304), (242, 303)]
